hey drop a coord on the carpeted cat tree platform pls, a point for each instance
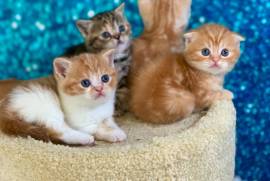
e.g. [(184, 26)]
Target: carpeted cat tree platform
[(199, 148)]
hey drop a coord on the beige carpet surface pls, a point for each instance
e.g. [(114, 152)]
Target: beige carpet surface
[(199, 148)]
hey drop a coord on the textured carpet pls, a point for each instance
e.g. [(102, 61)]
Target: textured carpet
[(201, 147)]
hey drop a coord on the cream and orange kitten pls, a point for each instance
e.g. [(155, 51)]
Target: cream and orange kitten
[(173, 85), (75, 106)]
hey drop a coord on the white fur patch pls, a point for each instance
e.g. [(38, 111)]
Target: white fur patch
[(76, 137), (84, 114), (120, 50), (38, 104)]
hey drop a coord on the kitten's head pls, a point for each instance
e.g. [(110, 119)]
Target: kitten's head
[(212, 48), (90, 77), (106, 30)]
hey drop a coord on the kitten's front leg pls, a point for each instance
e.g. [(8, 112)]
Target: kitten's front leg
[(109, 131), (72, 136)]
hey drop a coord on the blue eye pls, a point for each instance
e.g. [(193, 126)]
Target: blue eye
[(105, 78), (106, 35), (85, 83), (225, 52), (205, 52), (122, 28)]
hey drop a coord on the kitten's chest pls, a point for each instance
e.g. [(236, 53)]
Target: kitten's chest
[(211, 84), (82, 118), (205, 90)]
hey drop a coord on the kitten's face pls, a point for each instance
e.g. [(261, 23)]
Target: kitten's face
[(90, 77), (212, 48), (106, 30)]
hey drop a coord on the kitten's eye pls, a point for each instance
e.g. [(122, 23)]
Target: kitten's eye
[(85, 83), (122, 28), (105, 78), (106, 35), (225, 52), (205, 52)]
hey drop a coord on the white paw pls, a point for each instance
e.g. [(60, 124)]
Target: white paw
[(117, 135), (78, 138)]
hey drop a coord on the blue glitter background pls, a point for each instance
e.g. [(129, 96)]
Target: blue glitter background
[(33, 32)]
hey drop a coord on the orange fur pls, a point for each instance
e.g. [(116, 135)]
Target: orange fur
[(171, 86), (162, 34), (6, 86), (85, 66)]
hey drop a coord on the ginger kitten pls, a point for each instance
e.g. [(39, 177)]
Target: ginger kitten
[(174, 85), (164, 26), (109, 30), (75, 106)]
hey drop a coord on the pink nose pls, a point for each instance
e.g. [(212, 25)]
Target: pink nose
[(215, 59), (98, 88)]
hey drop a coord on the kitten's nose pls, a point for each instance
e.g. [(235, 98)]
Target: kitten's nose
[(98, 88), (215, 58)]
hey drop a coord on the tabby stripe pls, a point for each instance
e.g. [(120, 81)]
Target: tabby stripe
[(121, 59)]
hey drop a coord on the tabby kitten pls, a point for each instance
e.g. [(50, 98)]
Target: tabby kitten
[(105, 31), (174, 85), (75, 106)]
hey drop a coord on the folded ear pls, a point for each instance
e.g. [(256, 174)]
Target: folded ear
[(109, 56), (84, 27), (61, 67), (189, 37), (120, 9), (238, 37)]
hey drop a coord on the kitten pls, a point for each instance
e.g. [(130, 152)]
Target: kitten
[(174, 85), (75, 106), (105, 31), (162, 34)]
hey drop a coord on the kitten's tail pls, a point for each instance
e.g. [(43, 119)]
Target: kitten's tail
[(15, 127), (165, 15)]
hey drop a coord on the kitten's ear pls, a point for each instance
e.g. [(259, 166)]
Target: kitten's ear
[(238, 37), (109, 55), (120, 9), (189, 37), (84, 27), (61, 66)]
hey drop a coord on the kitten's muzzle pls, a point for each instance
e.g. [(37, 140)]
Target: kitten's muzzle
[(215, 59)]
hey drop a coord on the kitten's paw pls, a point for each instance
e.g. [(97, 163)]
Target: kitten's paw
[(116, 135), (223, 95), (227, 95), (78, 138)]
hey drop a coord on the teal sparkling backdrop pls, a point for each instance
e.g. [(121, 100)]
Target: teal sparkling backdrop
[(33, 32)]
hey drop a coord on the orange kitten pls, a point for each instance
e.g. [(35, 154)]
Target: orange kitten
[(172, 86), (162, 34), (73, 107)]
